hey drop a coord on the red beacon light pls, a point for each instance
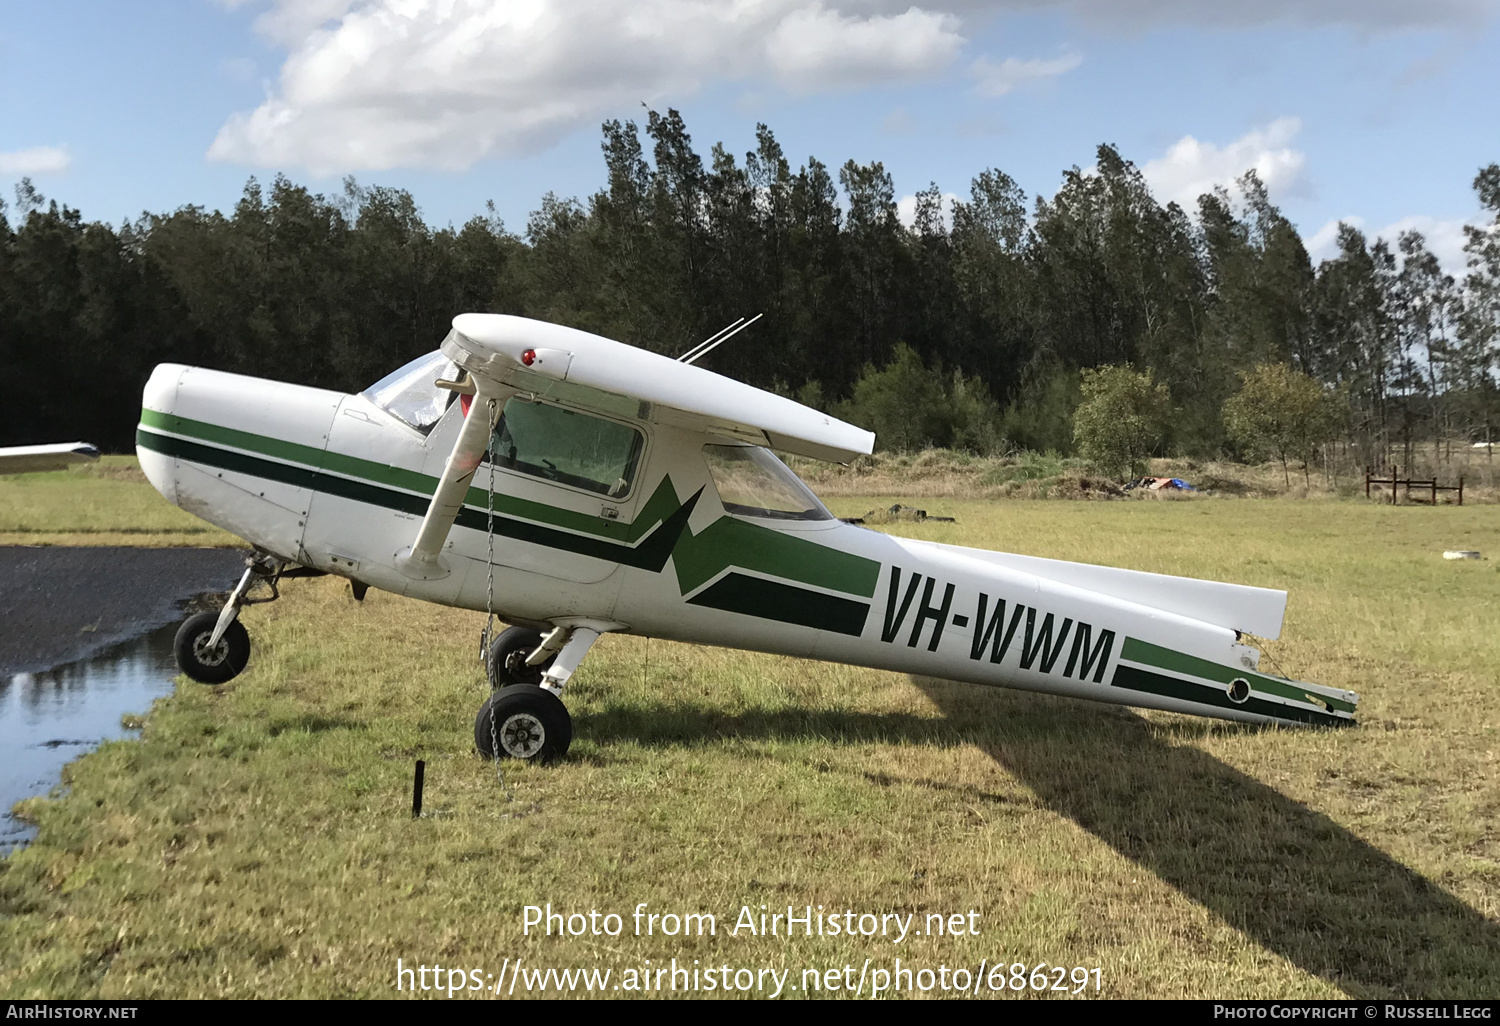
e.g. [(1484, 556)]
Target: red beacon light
[(528, 357)]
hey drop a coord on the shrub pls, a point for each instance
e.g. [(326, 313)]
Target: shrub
[(1121, 419)]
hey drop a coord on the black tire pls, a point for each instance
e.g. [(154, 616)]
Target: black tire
[(224, 662), (530, 723), (505, 664)]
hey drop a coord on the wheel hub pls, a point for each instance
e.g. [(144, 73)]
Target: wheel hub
[(522, 735), (210, 656)]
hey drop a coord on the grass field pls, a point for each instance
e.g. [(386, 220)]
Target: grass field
[(103, 503), (257, 841)]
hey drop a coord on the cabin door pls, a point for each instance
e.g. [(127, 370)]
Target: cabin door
[(566, 490)]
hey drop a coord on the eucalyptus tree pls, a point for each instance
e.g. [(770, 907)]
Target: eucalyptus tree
[(1353, 335), (1479, 323), (1425, 304), (992, 281), (680, 222), (877, 258)]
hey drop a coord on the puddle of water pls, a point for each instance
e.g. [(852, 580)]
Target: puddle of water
[(49, 719)]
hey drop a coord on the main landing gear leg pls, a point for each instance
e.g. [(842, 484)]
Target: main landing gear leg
[(579, 641), (529, 721)]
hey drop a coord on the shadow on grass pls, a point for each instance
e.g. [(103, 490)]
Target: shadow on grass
[(690, 725), (1287, 876)]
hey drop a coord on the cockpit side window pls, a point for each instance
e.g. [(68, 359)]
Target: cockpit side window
[(755, 483), (409, 393), (571, 448)]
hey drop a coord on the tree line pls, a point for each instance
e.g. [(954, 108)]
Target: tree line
[(976, 327)]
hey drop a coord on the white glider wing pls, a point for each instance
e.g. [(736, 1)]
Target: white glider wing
[(28, 459), (594, 372)]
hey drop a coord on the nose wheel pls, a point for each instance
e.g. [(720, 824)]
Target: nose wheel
[(206, 660), (213, 648), (523, 722)]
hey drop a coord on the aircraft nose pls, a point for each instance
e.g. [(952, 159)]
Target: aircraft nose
[(238, 451), (158, 402)]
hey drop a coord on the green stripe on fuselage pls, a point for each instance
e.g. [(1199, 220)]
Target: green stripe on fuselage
[(657, 508), (1138, 651), (726, 542), (1132, 678), (772, 600)]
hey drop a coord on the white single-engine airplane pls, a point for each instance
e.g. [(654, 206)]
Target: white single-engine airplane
[(574, 486)]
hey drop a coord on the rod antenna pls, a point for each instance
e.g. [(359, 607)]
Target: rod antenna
[(693, 352), (708, 349)]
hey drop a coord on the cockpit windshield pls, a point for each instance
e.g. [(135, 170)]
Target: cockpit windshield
[(752, 481), (409, 393)]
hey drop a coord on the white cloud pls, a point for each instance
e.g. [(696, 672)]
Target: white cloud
[(1191, 168), (39, 160), (992, 79), (906, 209), (1443, 236), (374, 84), (816, 48)]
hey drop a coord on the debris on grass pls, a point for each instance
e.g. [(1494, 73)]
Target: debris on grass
[(898, 514)]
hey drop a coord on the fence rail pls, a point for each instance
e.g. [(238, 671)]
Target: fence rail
[(1428, 485)]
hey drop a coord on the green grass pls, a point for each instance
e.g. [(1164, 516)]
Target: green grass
[(104, 503), (257, 840)]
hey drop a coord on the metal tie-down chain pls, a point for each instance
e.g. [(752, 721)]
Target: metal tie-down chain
[(486, 636)]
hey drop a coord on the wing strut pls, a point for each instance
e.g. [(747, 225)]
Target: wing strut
[(423, 561)]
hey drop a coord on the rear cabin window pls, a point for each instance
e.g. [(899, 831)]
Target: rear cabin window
[(755, 483), (570, 448)]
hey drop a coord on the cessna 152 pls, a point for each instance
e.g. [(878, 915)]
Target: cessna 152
[(575, 486)]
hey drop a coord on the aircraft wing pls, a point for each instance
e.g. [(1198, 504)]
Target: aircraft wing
[(594, 372), (28, 459)]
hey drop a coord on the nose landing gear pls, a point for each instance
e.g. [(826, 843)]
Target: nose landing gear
[(206, 661), (212, 648)]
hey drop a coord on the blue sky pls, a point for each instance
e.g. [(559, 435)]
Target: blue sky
[(1375, 110)]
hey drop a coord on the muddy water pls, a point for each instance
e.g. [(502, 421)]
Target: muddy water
[(50, 718)]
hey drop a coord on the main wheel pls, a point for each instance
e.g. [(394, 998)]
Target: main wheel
[(523, 722), (214, 665), (505, 664)]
